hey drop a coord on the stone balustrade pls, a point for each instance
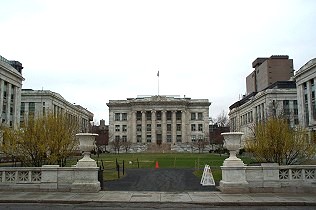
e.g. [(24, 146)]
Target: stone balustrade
[(49, 178), (270, 177)]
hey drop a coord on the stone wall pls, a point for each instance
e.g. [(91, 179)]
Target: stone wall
[(269, 177), (49, 178)]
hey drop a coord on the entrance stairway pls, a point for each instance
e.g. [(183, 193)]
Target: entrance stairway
[(159, 148)]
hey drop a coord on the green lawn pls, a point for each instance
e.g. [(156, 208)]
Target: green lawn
[(165, 160)]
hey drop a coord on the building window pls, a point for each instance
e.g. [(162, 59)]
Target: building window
[(169, 138), (193, 138), (178, 115), (158, 126), (193, 128), (139, 127), (124, 138), (139, 138), (200, 116), (200, 127), (168, 127), (295, 107), (117, 127), (124, 128), (124, 116), (22, 109), (169, 115), (117, 138), (148, 138), (32, 108), (286, 107), (148, 115), (193, 116), (178, 127), (138, 115), (179, 139), (117, 117), (274, 108), (148, 127), (11, 110), (158, 115)]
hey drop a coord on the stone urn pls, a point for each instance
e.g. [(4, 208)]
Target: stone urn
[(232, 141), (86, 145)]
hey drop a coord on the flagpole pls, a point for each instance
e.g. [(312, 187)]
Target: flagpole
[(158, 81)]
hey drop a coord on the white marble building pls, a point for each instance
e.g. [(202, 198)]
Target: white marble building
[(305, 81), (279, 98), (39, 102), (10, 92), (158, 119)]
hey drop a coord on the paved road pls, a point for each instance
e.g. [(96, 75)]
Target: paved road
[(143, 206), (161, 179)]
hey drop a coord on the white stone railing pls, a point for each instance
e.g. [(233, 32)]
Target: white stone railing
[(270, 177), (49, 178), (306, 173), (20, 175)]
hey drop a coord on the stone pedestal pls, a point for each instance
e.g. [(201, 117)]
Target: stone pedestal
[(233, 169), (86, 170), (233, 180), (86, 180)]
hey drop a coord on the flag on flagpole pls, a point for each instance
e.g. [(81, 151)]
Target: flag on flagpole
[(158, 74)]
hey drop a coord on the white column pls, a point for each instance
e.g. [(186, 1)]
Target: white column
[(16, 107), (8, 103), (144, 126), (309, 100), (1, 97), (153, 126), (132, 126), (164, 126), (174, 127), (300, 105), (183, 127)]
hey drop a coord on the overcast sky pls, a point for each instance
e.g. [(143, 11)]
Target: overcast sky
[(94, 51)]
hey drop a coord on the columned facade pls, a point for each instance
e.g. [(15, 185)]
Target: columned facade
[(305, 81), (40, 102), (10, 92), (158, 119), (278, 99)]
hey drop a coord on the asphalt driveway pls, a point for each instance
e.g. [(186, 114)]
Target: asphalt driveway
[(161, 179)]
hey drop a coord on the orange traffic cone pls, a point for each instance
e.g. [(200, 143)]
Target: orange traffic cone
[(157, 165)]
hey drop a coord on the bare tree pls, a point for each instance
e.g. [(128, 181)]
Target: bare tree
[(221, 120), (117, 144), (126, 145)]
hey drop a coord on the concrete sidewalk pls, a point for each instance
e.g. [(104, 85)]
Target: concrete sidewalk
[(209, 198)]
